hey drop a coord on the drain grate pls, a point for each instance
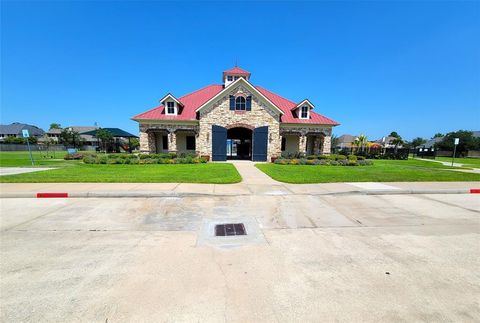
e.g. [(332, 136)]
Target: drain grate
[(230, 229)]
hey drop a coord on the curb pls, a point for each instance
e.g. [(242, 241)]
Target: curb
[(154, 194)]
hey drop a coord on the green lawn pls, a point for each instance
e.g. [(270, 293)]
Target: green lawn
[(214, 173), (381, 171), (22, 159), (468, 162)]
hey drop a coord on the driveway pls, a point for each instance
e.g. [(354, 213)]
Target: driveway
[(305, 258)]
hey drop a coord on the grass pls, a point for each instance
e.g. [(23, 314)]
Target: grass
[(22, 159), (469, 162), (213, 173), (381, 171)]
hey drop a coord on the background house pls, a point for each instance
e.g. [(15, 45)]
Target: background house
[(15, 130)]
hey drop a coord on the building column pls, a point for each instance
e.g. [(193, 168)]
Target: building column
[(302, 143), (147, 141), (327, 145), (172, 141)]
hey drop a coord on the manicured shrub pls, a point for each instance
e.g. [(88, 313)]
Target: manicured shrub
[(352, 157), (294, 161), (102, 159), (340, 157), (323, 157), (89, 159), (352, 163), (311, 157), (303, 161), (360, 157)]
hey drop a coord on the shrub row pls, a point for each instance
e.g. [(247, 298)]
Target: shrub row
[(322, 157), (324, 162), (129, 159)]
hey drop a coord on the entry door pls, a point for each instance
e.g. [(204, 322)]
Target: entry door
[(260, 143), (219, 143)]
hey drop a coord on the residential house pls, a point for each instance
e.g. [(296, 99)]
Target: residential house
[(15, 130), (234, 120)]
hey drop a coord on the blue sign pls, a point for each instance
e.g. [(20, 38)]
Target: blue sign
[(25, 133)]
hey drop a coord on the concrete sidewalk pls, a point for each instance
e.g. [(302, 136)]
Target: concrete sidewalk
[(471, 170), (185, 189), (20, 170)]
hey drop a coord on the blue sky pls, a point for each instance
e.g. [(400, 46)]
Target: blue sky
[(376, 67)]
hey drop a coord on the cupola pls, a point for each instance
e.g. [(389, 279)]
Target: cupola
[(234, 74)]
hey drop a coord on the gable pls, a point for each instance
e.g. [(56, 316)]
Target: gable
[(257, 102), (248, 87)]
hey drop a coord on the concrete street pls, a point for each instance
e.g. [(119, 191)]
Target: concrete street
[(313, 258)]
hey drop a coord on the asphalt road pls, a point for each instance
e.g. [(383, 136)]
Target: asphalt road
[(305, 258)]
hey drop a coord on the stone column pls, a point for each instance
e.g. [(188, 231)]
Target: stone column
[(327, 143), (147, 141), (302, 143), (172, 141)]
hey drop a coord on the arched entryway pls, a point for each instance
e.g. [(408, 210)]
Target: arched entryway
[(239, 143)]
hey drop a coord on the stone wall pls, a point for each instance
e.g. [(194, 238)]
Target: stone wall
[(147, 135), (219, 114)]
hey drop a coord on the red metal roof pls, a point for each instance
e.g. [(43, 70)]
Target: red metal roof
[(237, 71), (196, 99), (289, 117)]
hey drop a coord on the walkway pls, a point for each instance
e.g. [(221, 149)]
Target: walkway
[(251, 174), (471, 170), (19, 170)]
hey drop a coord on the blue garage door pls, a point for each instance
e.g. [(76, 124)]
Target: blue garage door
[(260, 143), (219, 143)]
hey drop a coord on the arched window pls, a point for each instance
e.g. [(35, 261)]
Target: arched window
[(240, 103)]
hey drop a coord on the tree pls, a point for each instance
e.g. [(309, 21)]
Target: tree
[(467, 142), (438, 135), (55, 126), (394, 134), (70, 137), (397, 141), (417, 142), (135, 143), (333, 140), (105, 137), (361, 142)]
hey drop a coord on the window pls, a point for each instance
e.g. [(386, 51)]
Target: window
[(236, 77), (284, 143), (229, 78), (170, 107), (304, 112), (240, 103), (190, 142)]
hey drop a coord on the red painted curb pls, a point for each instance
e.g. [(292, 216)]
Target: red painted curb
[(475, 190), (46, 195)]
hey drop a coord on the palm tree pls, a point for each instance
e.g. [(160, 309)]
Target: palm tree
[(361, 142), (397, 142)]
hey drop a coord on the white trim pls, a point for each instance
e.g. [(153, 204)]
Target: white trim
[(175, 109), (167, 121), (248, 84), (305, 102), (171, 97), (300, 111)]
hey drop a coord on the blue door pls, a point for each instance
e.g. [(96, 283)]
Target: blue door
[(219, 143), (260, 143)]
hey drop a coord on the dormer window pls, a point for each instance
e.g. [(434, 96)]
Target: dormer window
[(236, 77), (229, 78), (171, 107), (240, 103), (304, 112)]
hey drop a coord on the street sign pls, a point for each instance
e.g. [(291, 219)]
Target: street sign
[(456, 141), (25, 133)]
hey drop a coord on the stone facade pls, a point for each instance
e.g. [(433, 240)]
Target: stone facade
[(219, 113)]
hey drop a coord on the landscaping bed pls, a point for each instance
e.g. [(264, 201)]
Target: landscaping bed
[(381, 171), (132, 159), (326, 160)]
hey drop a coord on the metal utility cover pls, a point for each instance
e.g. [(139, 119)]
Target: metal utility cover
[(230, 229)]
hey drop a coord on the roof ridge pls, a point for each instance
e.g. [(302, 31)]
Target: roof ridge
[(203, 88), (258, 86)]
